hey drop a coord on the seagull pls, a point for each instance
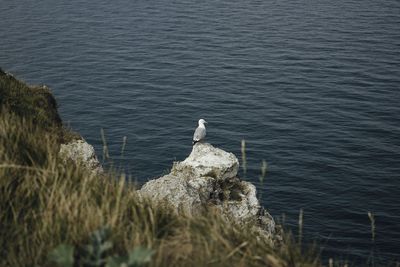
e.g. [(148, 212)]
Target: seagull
[(200, 132)]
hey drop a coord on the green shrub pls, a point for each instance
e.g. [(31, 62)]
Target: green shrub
[(96, 253)]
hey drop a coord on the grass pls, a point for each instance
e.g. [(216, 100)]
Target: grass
[(46, 203), (35, 103), (49, 207)]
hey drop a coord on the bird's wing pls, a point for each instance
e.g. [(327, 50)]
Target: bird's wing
[(199, 134)]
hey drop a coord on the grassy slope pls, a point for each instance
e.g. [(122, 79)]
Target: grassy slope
[(35, 103), (45, 202)]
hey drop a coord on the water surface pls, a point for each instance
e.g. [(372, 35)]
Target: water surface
[(312, 86)]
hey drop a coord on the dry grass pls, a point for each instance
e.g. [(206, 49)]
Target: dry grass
[(45, 202)]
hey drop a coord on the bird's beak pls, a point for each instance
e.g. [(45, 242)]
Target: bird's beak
[(205, 122)]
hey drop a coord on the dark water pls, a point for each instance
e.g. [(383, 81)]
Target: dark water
[(313, 86)]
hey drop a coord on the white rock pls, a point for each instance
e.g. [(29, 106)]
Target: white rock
[(206, 160), (186, 195), (82, 152), (246, 208), (208, 177)]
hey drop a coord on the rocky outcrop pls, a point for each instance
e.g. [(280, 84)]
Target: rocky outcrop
[(208, 177), (79, 151)]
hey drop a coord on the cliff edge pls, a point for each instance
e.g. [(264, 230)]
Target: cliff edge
[(206, 179), (37, 104)]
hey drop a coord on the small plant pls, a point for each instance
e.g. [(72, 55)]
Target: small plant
[(98, 247), (63, 255), (106, 155), (244, 162), (96, 253), (301, 215), (263, 171), (372, 219), (138, 257), (261, 178), (123, 146)]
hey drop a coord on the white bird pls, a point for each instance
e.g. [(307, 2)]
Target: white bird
[(200, 132)]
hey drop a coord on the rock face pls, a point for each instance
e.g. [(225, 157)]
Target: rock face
[(80, 151), (206, 160), (209, 177)]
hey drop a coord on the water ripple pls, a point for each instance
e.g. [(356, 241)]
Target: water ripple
[(312, 86)]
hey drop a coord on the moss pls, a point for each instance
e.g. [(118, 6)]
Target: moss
[(35, 103), (227, 189), (236, 191), (213, 173), (68, 135)]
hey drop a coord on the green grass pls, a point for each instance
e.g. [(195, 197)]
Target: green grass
[(46, 204), (35, 103)]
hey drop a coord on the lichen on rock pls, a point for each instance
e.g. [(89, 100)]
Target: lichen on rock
[(80, 152)]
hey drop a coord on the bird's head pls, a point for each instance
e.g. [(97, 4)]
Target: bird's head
[(201, 121)]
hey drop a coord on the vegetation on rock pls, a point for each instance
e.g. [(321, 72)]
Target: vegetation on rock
[(34, 103)]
